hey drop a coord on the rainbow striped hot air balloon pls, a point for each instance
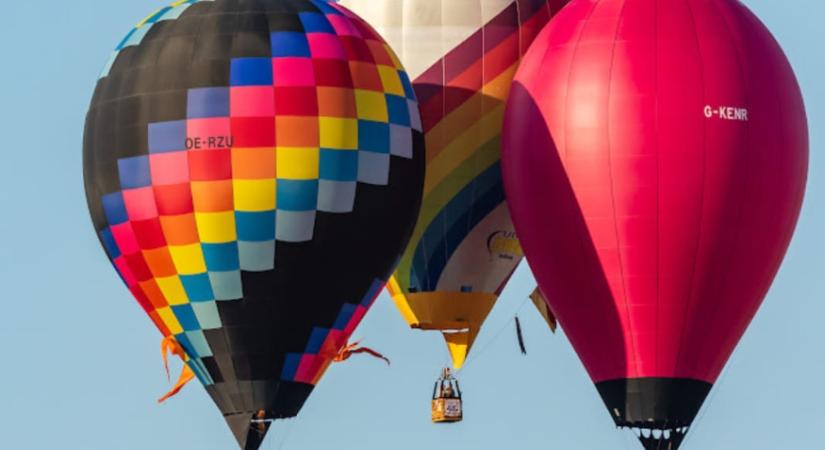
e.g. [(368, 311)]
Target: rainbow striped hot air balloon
[(462, 56)]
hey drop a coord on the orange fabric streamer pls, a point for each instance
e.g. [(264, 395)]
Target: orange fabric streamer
[(351, 349), (171, 345), (186, 375)]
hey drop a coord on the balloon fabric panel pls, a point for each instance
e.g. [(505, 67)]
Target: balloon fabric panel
[(236, 153), (463, 56), (655, 159)]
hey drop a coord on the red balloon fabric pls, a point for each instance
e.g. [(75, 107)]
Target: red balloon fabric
[(655, 160)]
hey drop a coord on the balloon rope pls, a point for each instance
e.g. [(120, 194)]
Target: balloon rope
[(509, 323)]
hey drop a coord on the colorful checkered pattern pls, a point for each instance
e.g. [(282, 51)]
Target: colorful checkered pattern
[(324, 343), (253, 163)]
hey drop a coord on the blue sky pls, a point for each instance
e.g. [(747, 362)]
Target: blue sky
[(81, 367)]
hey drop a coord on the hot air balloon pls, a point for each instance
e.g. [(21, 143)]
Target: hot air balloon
[(254, 170), (462, 56), (655, 161)]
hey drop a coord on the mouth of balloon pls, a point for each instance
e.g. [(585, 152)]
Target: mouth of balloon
[(661, 439), (660, 411)]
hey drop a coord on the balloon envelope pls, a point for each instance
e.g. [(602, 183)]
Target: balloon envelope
[(655, 160), (462, 55), (254, 170)]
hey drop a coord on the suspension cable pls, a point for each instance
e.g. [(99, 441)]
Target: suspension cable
[(496, 336)]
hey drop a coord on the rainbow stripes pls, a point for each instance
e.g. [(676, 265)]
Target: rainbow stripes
[(462, 100)]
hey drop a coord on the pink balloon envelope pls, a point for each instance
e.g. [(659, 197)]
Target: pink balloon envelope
[(655, 160)]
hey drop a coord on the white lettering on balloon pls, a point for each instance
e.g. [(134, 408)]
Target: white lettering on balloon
[(727, 113)]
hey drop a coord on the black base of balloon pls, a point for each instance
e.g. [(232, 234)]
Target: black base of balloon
[(659, 410), (250, 435), (248, 406)]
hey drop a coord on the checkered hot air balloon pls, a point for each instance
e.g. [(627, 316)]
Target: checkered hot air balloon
[(254, 169)]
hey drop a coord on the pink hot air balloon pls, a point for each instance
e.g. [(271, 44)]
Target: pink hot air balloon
[(655, 158)]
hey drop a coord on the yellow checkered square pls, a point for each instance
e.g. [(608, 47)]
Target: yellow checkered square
[(188, 259), (216, 228), (339, 133), (254, 195), (173, 290), (391, 80), (298, 163), (372, 105), (169, 319)]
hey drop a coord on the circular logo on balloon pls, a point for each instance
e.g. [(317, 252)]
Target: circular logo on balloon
[(504, 244)]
